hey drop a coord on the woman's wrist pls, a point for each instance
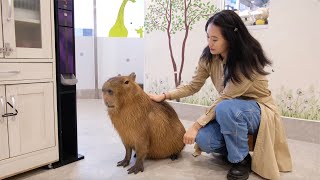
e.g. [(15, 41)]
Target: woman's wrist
[(197, 126)]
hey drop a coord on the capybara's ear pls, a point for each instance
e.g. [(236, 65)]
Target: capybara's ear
[(132, 76), (119, 74)]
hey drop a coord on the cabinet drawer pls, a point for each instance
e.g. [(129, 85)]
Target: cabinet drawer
[(25, 71), (65, 18), (65, 4)]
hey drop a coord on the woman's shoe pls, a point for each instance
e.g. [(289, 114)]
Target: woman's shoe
[(240, 170)]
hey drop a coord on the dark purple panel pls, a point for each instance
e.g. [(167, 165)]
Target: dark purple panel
[(66, 50), (65, 18), (65, 4)]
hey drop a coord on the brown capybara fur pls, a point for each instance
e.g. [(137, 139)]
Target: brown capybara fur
[(153, 130)]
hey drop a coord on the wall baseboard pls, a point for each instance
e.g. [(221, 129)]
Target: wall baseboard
[(88, 94)]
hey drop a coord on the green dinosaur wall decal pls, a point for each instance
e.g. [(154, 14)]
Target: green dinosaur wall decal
[(119, 29), (140, 31)]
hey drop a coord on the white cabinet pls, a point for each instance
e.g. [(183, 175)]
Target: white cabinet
[(26, 28), (4, 147), (27, 118), (32, 129), (28, 112)]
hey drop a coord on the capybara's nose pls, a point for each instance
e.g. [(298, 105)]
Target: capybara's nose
[(105, 97)]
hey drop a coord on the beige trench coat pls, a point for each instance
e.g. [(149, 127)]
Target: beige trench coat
[(271, 153)]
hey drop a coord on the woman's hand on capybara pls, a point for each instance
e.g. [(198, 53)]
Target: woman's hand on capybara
[(157, 97)]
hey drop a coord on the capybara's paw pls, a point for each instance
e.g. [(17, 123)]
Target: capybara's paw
[(123, 163), (174, 157), (136, 168)]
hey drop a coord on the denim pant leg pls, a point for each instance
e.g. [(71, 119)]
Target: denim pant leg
[(238, 118), (210, 139)]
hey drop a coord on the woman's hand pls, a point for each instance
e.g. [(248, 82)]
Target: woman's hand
[(191, 134), (157, 98)]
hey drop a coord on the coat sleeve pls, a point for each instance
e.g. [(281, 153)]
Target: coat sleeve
[(231, 91), (198, 79)]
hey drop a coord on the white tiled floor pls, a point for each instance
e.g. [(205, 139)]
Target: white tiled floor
[(102, 148)]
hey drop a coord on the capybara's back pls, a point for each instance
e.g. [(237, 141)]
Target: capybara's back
[(152, 129)]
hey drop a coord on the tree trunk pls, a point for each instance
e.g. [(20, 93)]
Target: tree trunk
[(170, 45)]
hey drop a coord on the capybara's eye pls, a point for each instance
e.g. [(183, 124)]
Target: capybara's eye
[(110, 92), (126, 82)]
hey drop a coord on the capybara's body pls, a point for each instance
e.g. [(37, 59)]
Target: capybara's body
[(160, 127), (152, 129)]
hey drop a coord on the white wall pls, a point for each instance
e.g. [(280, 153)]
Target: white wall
[(84, 62), (115, 55), (83, 18), (107, 13), (120, 56), (158, 65), (292, 42), (83, 14)]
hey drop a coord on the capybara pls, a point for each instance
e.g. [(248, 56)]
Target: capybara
[(153, 130)]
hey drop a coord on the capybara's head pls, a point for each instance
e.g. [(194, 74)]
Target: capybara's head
[(117, 90)]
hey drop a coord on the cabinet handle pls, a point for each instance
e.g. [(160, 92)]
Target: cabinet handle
[(13, 106), (13, 102), (10, 10), (10, 72), (11, 114), (2, 107), (2, 101)]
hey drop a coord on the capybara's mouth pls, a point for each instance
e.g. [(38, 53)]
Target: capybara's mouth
[(108, 105)]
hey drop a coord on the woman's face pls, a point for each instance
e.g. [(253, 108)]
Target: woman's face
[(216, 42)]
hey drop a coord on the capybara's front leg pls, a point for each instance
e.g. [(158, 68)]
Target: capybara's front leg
[(141, 153), (125, 162), (174, 157)]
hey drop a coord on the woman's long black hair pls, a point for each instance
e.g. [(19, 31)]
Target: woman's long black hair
[(245, 53)]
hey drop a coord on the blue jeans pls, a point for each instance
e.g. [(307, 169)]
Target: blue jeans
[(228, 133)]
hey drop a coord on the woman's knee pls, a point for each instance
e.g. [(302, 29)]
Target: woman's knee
[(223, 109), (207, 141)]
